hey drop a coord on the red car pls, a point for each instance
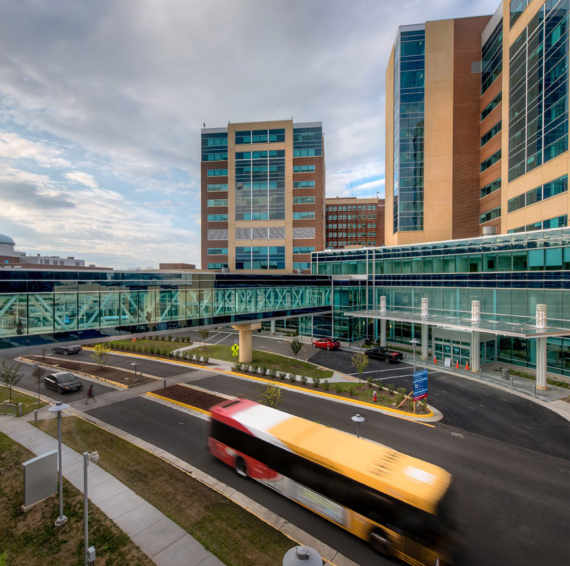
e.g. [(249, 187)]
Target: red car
[(327, 343)]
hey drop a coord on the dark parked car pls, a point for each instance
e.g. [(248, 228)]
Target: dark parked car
[(385, 354), (66, 350), (327, 343), (62, 382)]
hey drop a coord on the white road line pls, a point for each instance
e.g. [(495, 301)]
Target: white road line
[(212, 337), (381, 370), (223, 338)]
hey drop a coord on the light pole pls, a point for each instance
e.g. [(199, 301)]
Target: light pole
[(135, 364), (358, 419), (414, 343), (37, 372), (302, 556), (89, 552), (58, 408)]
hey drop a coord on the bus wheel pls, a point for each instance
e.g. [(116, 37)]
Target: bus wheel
[(380, 542), (241, 468)]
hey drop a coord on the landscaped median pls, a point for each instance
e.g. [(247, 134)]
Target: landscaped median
[(29, 403), (110, 374), (227, 530)]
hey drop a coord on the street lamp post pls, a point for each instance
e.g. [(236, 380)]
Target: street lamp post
[(414, 343), (358, 419), (135, 364), (302, 556), (37, 372), (89, 552), (58, 408)]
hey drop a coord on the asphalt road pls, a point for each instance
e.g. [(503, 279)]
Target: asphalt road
[(511, 503)]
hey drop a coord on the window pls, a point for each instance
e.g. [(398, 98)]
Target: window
[(558, 222), (492, 58), (491, 106), (260, 136), (260, 257), (303, 200), (303, 249), (491, 187), (517, 8), (543, 192), (490, 215), (217, 188), (217, 265), (303, 184), (491, 161), (217, 217), (217, 251), (303, 216), (491, 133), (214, 146), (218, 202), (303, 168), (217, 172), (301, 265)]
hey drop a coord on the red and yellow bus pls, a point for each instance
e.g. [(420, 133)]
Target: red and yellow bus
[(395, 502)]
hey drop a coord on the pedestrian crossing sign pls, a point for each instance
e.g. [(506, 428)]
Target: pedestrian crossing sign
[(235, 350)]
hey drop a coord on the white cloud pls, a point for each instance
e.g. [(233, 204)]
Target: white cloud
[(82, 178), (13, 146)]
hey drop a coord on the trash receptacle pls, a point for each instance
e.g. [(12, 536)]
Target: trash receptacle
[(505, 374)]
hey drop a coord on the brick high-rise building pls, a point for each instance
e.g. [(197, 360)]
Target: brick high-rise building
[(354, 221), (263, 192), (477, 125)]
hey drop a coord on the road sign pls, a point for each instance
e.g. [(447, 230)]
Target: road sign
[(235, 350), (420, 384)]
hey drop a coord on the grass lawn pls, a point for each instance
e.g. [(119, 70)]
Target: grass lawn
[(32, 538), (272, 361), (234, 535), (164, 345), (29, 402)]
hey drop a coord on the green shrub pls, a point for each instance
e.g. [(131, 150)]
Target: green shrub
[(253, 368), (399, 399), (282, 375), (352, 390), (292, 378), (326, 385), (264, 370), (369, 381), (238, 366), (206, 359), (391, 388), (304, 379), (171, 354), (272, 373), (402, 391), (169, 338), (316, 382), (337, 387)]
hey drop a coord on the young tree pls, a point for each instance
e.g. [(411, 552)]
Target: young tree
[(10, 375), (296, 345), (100, 354), (203, 333), (359, 363), (270, 395)]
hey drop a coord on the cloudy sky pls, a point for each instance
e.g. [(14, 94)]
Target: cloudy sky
[(101, 105)]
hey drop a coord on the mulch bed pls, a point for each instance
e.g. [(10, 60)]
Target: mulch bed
[(116, 375), (161, 358), (189, 396)]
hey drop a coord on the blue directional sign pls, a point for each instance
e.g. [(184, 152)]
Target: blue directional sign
[(420, 384)]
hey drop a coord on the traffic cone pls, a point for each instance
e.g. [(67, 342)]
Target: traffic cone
[(467, 366), (434, 360), (457, 364)]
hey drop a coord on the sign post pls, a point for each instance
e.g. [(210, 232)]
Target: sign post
[(420, 386)]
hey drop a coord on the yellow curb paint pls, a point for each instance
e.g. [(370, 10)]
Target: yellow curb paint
[(355, 401), (78, 372), (178, 403)]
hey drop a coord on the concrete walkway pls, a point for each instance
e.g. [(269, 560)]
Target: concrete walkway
[(160, 538)]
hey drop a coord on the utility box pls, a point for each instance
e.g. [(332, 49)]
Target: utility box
[(40, 479)]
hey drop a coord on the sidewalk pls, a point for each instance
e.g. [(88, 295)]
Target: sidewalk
[(160, 538)]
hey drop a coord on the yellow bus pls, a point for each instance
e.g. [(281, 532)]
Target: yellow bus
[(397, 503)]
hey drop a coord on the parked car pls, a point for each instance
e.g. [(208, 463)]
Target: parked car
[(62, 381), (327, 343), (385, 354), (66, 350)]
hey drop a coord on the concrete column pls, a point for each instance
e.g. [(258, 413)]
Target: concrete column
[(272, 328), (245, 353), (383, 321), (541, 322), (425, 343), (475, 351)]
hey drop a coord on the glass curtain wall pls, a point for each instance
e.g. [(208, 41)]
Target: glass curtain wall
[(409, 102)]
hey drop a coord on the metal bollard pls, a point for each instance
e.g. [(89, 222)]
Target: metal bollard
[(20, 408), (534, 389), (164, 383), (512, 382), (36, 416)]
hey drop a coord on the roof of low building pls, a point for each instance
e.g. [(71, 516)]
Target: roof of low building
[(6, 240)]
